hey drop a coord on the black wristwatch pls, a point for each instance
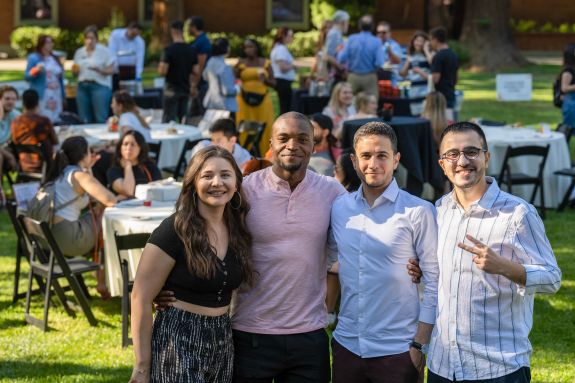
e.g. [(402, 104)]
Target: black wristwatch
[(419, 347)]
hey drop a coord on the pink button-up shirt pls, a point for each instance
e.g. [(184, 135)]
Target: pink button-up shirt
[(290, 231)]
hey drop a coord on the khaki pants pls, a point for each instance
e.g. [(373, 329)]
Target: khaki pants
[(363, 82)]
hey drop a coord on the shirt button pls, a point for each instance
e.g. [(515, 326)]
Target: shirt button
[(225, 283), (225, 273), (219, 298), (452, 343)]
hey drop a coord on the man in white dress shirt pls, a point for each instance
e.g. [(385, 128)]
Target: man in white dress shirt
[(382, 323), (493, 257), (128, 50)]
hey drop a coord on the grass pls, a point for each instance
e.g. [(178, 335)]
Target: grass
[(75, 352)]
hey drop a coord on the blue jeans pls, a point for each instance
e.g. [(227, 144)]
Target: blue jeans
[(568, 109), (93, 102)]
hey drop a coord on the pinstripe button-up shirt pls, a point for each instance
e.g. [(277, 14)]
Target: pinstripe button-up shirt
[(484, 319), (380, 306)]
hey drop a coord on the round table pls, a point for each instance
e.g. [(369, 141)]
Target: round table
[(499, 138), (126, 218), (172, 144)]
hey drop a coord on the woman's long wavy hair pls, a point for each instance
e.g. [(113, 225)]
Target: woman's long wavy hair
[(72, 151), (128, 103), (140, 140), (192, 228)]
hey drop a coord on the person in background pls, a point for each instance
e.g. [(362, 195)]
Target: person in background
[(179, 65), (45, 74), (568, 85), (221, 94), (128, 51), (494, 256), (340, 106), (444, 67), (435, 110), (319, 72), (345, 173), (94, 66), (366, 106), (131, 165), (125, 109), (254, 100), (77, 233), (8, 112), (203, 48), (32, 128), (334, 44), (363, 56), (418, 59), (392, 51), (202, 253), (223, 133), (325, 152), (283, 67)]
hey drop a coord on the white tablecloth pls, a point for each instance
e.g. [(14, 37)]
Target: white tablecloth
[(172, 144), (499, 138), (126, 218)]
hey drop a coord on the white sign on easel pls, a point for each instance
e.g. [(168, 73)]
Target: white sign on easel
[(514, 87)]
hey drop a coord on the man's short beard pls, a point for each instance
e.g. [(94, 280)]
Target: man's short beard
[(290, 167)]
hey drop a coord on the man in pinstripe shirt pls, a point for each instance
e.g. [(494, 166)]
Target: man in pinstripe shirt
[(493, 257)]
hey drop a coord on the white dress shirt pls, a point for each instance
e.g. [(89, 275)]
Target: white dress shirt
[(380, 306), (118, 42), (484, 319), (281, 53)]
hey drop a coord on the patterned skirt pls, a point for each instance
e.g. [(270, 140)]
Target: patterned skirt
[(191, 348)]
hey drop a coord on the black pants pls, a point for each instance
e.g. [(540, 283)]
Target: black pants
[(294, 358), (283, 89), (175, 105), (523, 375)]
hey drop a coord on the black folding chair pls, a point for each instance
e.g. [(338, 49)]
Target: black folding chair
[(567, 131), (507, 177), (48, 262), (254, 131), (128, 242), (154, 150), (567, 173), (22, 253), (180, 168), (38, 150)]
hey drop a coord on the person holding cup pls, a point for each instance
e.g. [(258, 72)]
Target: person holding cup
[(94, 66), (45, 74)]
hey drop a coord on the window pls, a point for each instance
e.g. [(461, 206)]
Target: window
[(145, 11), (38, 12), (287, 13)]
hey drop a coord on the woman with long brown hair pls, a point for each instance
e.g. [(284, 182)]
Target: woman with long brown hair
[(283, 67), (202, 253), (126, 111)]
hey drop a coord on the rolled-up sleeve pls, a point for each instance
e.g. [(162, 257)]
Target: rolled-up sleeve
[(535, 253), (425, 243)]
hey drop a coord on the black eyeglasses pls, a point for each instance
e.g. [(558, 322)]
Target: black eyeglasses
[(469, 153), (381, 32)]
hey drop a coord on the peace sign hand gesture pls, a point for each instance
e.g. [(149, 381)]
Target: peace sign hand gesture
[(487, 260)]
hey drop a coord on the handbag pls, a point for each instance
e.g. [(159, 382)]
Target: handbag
[(253, 99)]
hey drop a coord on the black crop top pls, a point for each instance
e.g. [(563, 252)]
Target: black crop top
[(187, 287)]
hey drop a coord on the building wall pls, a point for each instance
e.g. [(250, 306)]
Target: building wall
[(553, 11), (238, 16), (78, 14), (6, 22)]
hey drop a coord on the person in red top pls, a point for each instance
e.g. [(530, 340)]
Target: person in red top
[(31, 128)]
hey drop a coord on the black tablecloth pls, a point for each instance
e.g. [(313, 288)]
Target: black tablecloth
[(401, 106), (416, 145)]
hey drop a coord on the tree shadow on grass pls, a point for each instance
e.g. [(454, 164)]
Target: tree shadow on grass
[(56, 372)]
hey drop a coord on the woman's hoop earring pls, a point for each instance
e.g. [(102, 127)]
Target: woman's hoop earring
[(240, 202)]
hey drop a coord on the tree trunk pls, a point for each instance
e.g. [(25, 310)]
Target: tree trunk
[(487, 35), (165, 12)]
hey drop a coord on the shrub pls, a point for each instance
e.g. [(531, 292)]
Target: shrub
[(461, 51)]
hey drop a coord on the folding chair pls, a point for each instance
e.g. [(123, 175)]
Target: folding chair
[(47, 262), (567, 131), (567, 173), (22, 253), (38, 150), (254, 131), (182, 163), (507, 177), (154, 150), (128, 242)]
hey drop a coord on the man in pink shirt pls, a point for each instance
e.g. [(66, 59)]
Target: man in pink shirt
[(279, 322)]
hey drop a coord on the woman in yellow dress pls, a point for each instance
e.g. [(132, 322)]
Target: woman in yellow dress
[(254, 100)]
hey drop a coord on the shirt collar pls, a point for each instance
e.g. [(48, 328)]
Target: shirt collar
[(390, 194), (279, 183), (486, 201)]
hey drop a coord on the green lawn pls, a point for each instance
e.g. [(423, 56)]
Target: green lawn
[(75, 352)]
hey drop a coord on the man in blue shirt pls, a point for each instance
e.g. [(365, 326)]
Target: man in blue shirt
[(383, 327), (363, 55), (392, 51), (203, 48)]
